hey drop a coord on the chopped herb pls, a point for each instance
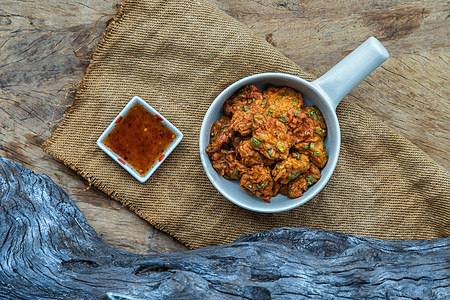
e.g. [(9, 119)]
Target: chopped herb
[(312, 113), (250, 186), (256, 142), (315, 153), (264, 103), (265, 183), (315, 106), (320, 131), (326, 154), (280, 146), (258, 186), (298, 110), (283, 119), (253, 99), (311, 179), (294, 101), (245, 107), (295, 155), (311, 145), (293, 176), (223, 126), (270, 112), (306, 146), (212, 134), (270, 151)]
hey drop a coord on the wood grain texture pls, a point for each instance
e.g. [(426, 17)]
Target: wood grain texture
[(46, 241), (410, 92)]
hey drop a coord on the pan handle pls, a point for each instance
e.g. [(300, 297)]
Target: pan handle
[(350, 71)]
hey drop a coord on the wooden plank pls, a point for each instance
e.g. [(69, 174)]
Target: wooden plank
[(37, 44)]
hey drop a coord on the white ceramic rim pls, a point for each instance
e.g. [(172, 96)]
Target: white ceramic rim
[(126, 166), (312, 191)]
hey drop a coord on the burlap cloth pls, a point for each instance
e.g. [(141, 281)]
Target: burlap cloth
[(178, 55)]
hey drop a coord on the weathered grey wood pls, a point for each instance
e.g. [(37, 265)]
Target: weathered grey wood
[(38, 40), (49, 251)]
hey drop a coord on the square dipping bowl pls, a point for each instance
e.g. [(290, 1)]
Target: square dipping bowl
[(122, 161)]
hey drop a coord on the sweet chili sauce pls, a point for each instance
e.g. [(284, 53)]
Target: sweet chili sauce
[(140, 138)]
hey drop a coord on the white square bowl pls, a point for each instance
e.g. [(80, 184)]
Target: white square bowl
[(120, 160)]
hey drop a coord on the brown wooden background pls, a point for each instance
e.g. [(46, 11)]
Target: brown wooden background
[(45, 48)]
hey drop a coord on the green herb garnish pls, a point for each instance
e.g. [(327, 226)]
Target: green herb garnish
[(256, 142), (293, 176), (283, 119), (280, 146)]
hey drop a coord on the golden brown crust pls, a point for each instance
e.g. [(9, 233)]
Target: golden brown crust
[(258, 181), (225, 162), (242, 100), (269, 141)]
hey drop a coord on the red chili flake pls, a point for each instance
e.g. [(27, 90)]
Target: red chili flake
[(118, 120), (122, 161), (159, 118), (161, 157), (269, 123)]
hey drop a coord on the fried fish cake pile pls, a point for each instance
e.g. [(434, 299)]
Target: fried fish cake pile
[(269, 141)]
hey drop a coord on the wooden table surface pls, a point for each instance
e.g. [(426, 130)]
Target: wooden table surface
[(45, 48)]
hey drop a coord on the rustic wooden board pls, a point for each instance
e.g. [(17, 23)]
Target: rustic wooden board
[(410, 92)]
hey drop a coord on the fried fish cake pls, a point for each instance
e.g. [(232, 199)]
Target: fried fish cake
[(270, 137), (290, 168), (218, 127), (270, 141), (299, 185), (317, 152), (258, 181), (318, 122), (242, 100), (250, 156), (300, 126), (280, 101), (225, 162)]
